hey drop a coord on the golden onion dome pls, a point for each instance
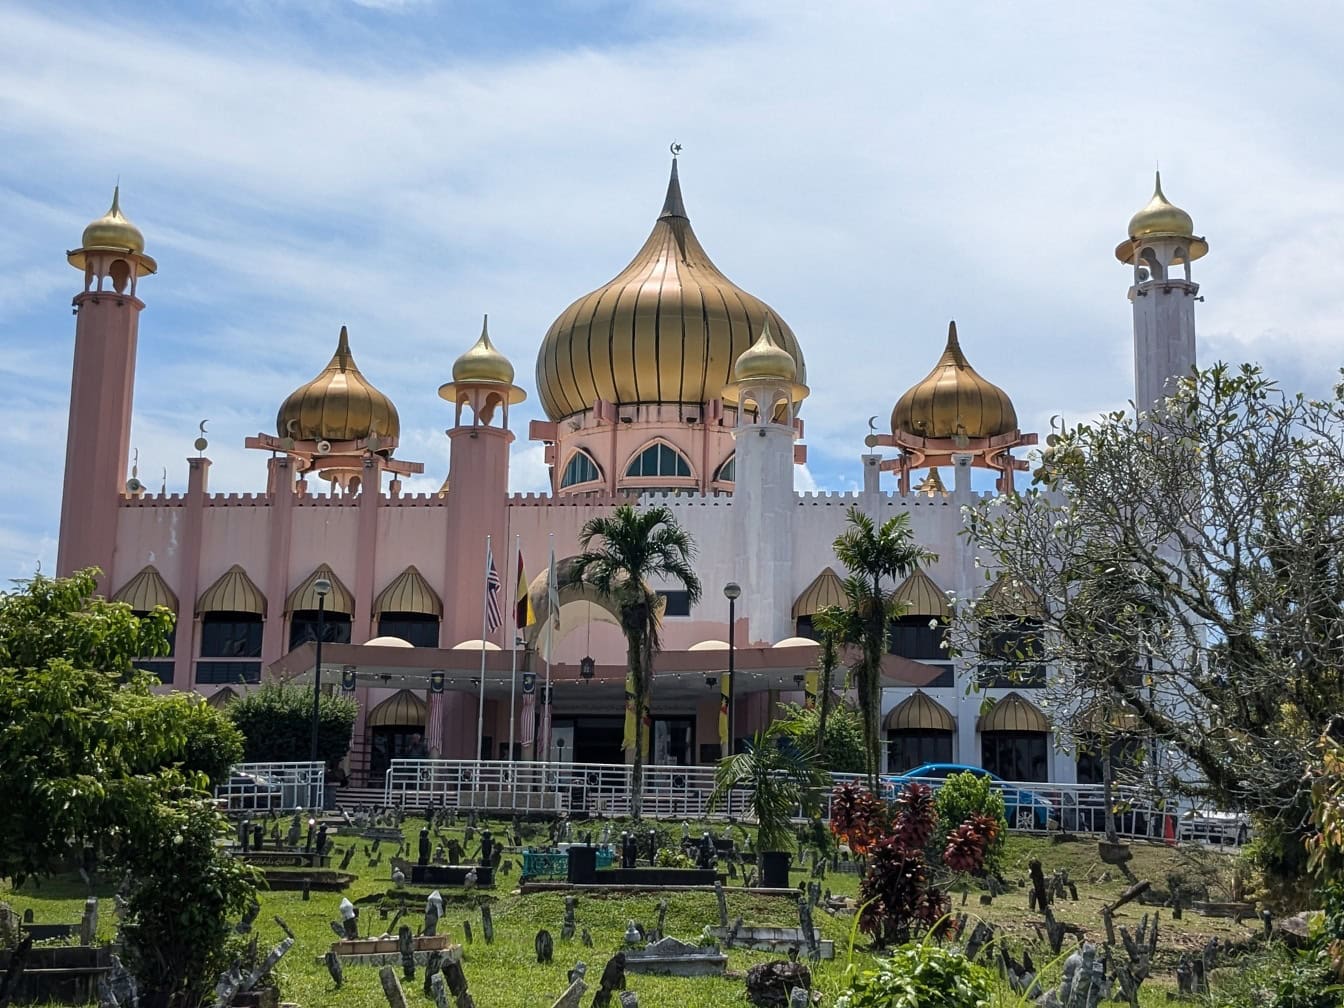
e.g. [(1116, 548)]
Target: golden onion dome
[(339, 404), (483, 363), (954, 400), (765, 359), (113, 231), (668, 328), (1161, 219)]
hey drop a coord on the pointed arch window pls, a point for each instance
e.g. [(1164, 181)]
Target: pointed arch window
[(658, 459), (581, 468), (728, 470)]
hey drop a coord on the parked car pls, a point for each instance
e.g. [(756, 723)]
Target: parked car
[(1213, 827), (1023, 809)]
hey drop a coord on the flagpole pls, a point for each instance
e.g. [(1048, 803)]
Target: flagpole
[(513, 663), (552, 593), (485, 629)]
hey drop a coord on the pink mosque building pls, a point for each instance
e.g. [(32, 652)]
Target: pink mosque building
[(667, 385)]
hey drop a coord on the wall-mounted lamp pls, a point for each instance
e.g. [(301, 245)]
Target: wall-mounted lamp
[(586, 666), (436, 681), (348, 678)]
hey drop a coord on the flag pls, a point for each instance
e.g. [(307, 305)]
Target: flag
[(528, 727), (810, 679), (434, 726), (724, 748), (553, 593), (544, 740), (524, 614), (493, 617), (628, 739)]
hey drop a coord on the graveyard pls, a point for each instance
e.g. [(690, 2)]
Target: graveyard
[(372, 914)]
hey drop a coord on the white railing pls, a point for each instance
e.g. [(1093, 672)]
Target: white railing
[(602, 789), (273, 787)]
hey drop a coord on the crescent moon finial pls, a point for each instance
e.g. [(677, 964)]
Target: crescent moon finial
[(203, 423), (872, 423), (675, 148)]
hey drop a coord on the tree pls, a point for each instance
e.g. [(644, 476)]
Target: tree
[(877, 559), (635, 547), (1187, 569), (841, 749), (829, 623), (782, 775), (276, 722)]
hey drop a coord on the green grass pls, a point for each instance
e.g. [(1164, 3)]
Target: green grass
[(505, 974)]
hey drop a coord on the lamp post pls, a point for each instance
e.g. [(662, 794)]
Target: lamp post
[(731, 591), (322, 587)]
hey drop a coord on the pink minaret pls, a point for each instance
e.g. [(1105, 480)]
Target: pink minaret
[(112, 257)]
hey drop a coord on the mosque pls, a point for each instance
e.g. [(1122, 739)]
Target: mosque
[(667, 385)]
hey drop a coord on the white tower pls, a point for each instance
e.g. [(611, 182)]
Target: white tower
[(1160, 248), (766, 394)]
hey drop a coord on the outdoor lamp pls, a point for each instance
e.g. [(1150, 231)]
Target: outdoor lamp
[(348, 678), (586, 666), (731, 591), (436, 681), (322, 588)]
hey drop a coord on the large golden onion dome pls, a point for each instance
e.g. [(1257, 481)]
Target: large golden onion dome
[(338, 405), (667, 329), (1161, 219), (954, 400)]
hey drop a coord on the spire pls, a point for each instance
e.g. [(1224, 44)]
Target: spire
[(343, 358), (952, 352), (672, 205), (115, 210)]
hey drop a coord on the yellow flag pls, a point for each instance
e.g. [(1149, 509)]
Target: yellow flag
[(723, 715), (628, 740), (810, 678), (524, 614)]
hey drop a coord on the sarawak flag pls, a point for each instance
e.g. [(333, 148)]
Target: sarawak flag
[(524, 614), (628, 740), (723, 715), (810, 679)]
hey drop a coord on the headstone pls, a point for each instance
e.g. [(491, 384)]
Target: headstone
[(629, 999), (333, 962), (244, 834), (396, 998), (454, 851), (244, 926), (456, 978), (258, 836), (424, 846), (652, 840), (662, 916), (433, 913), (350, 919), (722, 898), (487, 847), (322, 839), (433, 962), (587, 938), (613, 979), (578, 972), (809, 932), (295, 830), (572, 996), (347, 856), (545, 947), (466, 931), (469, 882), (88, 926), (799, 998), (567, 928), (487, 923), (406, 946)]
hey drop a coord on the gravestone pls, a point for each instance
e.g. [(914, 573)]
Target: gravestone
[(487, 847), (396, 997), (487, 923), (676, 958), (88, 925), (424, 846), (578, 972), (587, 938), (572, 996), (613, 979), (350, 919), (722, 898), (466, 931), (809, 933), (334, 967), (567, 928), (244, 834), (433, 913), (544, 946), (433, 963), (258, 837), (406, 946), (454, 851), (322, 839)]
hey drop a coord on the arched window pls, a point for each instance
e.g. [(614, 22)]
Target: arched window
[(659, 460), (580, 469), (728, 471)]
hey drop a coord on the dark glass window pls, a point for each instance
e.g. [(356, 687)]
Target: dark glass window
[(678, 603), (912, 637), (1013, 640), (420, 629), (217, 672), (803, 628), (303, 627), (580, 469), (659, 460), (1016, 756), (1126, 753), (231, 635), (908, 749), (728, 471), (161, 666)]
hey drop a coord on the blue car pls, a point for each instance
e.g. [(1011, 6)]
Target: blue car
[(1022, 808)]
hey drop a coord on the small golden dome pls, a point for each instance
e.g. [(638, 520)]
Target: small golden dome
[(113, 231), (338, 405), (765, 359), (953, 399), (483, 363), (1162, 219), (668, 328)]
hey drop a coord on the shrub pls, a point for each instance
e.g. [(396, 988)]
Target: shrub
[(842, 750), (858, 817), (671, 857), (923, 975), (276, 721), (967, 795)]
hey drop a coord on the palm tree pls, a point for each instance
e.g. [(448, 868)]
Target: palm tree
[(829, 624), (874, 556), (635, 547)]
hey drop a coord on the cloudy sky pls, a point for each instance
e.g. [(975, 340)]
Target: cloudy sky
[(870, 169)]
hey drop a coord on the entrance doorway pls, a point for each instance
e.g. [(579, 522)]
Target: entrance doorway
[(591, 739), (389, 742), (673, 741)]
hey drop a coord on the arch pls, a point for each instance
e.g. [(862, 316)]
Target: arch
[(727, 471), (918, 712), (145, 591), (922, 597), (222, 698), (825, 590), (1009, 597), (304, 597), (403, 708), (408, 592), (658, 459), (234, 592), (581, 468), (569, 589), (1013, 714)]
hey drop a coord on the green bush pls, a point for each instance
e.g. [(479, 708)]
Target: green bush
[(921, 976), (1277, 977), (965, 795), (276, 722), (843, 748), (673, 857)]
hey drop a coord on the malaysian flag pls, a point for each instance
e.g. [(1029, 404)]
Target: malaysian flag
[(528, 727), (493, 617)]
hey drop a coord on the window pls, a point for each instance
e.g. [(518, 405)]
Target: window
[(1015, 756), (161, 666), (303, 627), (659, 460), (580, 469), (728, 471), (907, 749), (803, 628), (678, 603), (419, 629), (231, 635), (1126, 754), (1013, 651), (912, 637)]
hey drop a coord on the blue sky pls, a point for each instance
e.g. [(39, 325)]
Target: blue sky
[(870, 169)]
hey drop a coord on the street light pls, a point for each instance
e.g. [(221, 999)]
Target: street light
[(322, 587), (731, 591)]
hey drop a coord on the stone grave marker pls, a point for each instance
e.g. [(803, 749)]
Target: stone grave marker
[(545, 947), (487, 923), (567, 928)]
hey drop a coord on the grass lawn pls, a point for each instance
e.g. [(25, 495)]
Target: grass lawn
[(505, 974)]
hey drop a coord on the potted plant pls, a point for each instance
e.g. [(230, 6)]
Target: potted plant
[(783, 778)]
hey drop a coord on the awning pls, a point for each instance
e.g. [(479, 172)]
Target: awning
[(220, 698), (1013, 714), (146, 590), (409, 592), (304, 597), (402, 709), (233, 592), (1010, 597), (918, 712), (921, 597), (825, 590)]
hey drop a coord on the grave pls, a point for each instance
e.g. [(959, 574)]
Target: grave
[(386, 951), (676, 958), (772, 939), (450, 875)]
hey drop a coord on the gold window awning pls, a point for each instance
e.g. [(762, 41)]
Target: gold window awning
[(221, 698), (400, 710), (919, 712), (233, 592), (922, 597), (409, 592), (1009, 597), (1013, 714), (146, 590), (825, 590), (304, 597)]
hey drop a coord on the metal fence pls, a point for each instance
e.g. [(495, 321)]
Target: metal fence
[(273, 787), (600, 789)]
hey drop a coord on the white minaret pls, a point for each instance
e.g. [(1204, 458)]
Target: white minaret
[(1160, 248), (766, 394)]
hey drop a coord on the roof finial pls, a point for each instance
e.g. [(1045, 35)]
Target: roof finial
[(115, 210), (1157, 184), (672, 205), (485, 329)]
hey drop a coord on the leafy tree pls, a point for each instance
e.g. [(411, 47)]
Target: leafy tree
[(829, 624), (782, 775), (276, 722), (634, 547), (842, 749), (966, 796), (878, 559), (1187, 567)]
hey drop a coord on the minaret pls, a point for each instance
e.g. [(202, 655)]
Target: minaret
[(766, 393), (97, 442), (1160, 248)]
